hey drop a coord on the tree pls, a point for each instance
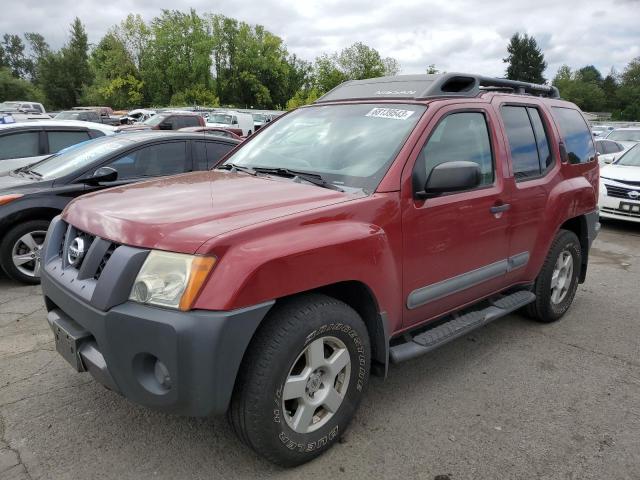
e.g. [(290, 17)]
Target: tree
[(589, 74), (629, 91), (14, 57), (356, 62), (587, 94), (197, 95), (432, 70), (12, 88), (525, 59)]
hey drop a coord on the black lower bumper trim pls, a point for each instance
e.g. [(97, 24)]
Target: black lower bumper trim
[(201, 350)]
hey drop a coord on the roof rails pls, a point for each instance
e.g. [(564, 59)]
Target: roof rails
[(419, 87)]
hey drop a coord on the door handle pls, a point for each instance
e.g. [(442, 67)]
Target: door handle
[(500, 208)]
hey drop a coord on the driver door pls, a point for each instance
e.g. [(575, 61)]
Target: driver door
[(455, 244)]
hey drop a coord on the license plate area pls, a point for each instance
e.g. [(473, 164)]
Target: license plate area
[(629, 207), (69, 337)]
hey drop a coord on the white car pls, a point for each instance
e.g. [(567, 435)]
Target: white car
[(609, 150), (23, 144), (627, 134), (236, 122), (620, 187)]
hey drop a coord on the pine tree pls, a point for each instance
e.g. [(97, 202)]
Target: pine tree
[(525, 59)]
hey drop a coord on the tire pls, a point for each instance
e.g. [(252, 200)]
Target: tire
[(552, 303), (14, 243), (285, 346)]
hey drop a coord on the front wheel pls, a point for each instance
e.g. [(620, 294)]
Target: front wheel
[(20, 251), (557, 282), (302, 379)]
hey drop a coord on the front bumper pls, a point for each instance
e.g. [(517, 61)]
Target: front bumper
[(620, 207), (201, 350)]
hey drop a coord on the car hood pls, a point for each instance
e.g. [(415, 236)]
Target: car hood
[(180, 213), (10, 183), (621, 173)]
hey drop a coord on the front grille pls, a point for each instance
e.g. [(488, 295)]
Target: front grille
[(620, 192), (104, 260), (623, 213), (74, 257)]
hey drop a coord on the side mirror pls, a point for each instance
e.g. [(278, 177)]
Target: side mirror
[(101, 175), (234, 121), (609, 160), (451, 177)]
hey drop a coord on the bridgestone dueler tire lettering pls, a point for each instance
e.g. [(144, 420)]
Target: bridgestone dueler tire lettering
[(256, 413)]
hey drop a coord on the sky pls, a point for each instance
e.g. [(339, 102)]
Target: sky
[(455, 35)]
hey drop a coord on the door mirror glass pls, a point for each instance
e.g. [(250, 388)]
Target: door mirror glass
[(103, 174), (452, 177)]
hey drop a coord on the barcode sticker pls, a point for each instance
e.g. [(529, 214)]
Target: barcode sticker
[(394, 113)]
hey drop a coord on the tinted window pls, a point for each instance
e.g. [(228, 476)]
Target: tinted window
[(152, 161), (207, 154), (460, 136), (542, 140), (576, 135), (60, 140), (600, 147), (612, 147), (522, 142), (188, 121), (19, 145)]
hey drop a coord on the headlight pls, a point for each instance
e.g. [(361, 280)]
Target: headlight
[(171, 279)]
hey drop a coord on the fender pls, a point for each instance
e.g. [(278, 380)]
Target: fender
[(569, 198), (308, 251)]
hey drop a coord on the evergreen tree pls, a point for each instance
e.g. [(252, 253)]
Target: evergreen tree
[(525, 59)]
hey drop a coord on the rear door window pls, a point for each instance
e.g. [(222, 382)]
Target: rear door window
[(63, 139), (19, 145), (528, 141), (575, 134), (188, 121)]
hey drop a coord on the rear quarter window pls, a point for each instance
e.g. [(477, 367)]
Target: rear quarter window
[(575, 134)]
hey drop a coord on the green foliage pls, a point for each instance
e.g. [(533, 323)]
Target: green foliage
[(13, 56), (629, 92), (525, 59), (196, 95), (303, 97), (12, 88), (356, 62), (582, 87)]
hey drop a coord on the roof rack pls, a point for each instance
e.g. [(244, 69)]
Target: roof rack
[(419, 87)]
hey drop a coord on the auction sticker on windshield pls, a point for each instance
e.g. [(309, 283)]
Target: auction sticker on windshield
[(394, 113)]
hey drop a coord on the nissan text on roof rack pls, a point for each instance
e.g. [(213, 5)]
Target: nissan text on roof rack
[(390, 217)]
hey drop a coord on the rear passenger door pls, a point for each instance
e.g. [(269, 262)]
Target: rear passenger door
[(527, 135), (455, 245)]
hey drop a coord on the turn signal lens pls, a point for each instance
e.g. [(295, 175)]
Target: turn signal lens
[(200, 268), (4, 199)]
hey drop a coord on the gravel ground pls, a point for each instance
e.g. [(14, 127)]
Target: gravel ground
[(513, 400)]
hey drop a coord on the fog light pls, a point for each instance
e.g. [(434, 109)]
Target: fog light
[(161, 373)]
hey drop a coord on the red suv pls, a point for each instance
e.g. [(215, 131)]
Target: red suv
[(390, 217)]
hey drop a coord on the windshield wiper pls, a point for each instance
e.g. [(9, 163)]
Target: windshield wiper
[(232, 167), (26, 171), (314, 178)]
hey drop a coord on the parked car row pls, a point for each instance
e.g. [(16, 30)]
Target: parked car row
[(31, 196)]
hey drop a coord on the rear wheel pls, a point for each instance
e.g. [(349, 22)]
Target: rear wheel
[(302, 379), (557, 282), (20, 251)]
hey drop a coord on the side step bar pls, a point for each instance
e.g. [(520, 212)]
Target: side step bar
[(456, 327)]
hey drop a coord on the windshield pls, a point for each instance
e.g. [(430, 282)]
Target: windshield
[(9, 106), (220, 118), (76, 157), (631, 158), (259, 117), (67, 116), (625, 135), (351, 145)]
